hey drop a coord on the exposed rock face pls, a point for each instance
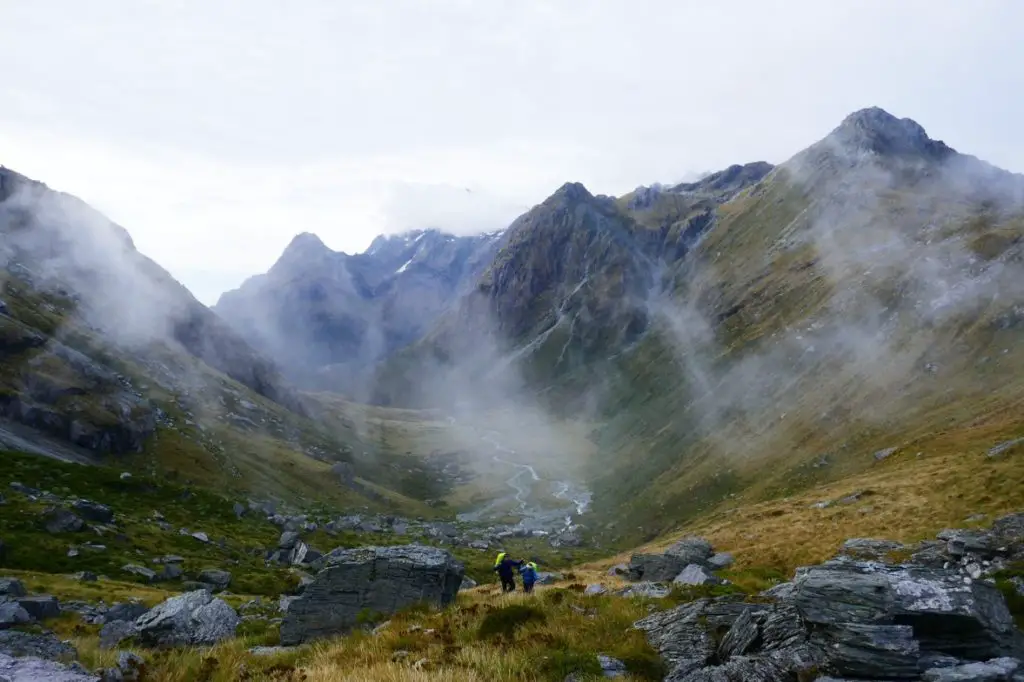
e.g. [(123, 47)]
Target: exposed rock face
[(857, 619), (194, 618), (366, 583)]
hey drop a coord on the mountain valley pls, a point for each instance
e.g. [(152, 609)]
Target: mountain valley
[(777, 358)]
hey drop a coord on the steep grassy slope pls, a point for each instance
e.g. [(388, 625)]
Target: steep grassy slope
[(864, 296)]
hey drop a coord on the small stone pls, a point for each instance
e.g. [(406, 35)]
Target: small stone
[(85, 577), (884, 454), (202, 537), (125, 476), (140, 571), (720, 561), (594, 590), (611, 667)]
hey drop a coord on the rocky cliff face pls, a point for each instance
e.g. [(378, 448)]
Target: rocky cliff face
[(329, 317)]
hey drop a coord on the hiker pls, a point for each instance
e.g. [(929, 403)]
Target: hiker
[(529, 576), (505, 567)]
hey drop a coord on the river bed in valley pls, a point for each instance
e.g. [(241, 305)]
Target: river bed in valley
[(522, 481)]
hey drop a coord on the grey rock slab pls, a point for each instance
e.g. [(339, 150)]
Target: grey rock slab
[(374, 581), (872, 651), (869, 548), (115, 632), (288, 540), (216, 577), (595, 590), (39, 670), (995, 670), (650, 590), (694, 575), (11, 614), (692, 550), (966, 619), (47, 646), (190, 619), (124, 611), (146, 573), (40, 606), (656, 567)]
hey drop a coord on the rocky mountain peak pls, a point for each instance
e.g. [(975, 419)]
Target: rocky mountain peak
[(876, 130), (302, 250), (572, 191)]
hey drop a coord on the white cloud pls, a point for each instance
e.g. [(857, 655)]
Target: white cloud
[(215, 131)]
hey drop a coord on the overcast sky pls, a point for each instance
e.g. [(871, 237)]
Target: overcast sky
[(215, 131)]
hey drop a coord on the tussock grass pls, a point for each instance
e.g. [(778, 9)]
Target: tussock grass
[(563, 633)]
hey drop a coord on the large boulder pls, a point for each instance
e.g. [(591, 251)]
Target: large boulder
[(849, 619), (360, 585), (967, 619), (692, 550), (191, 619), (655, 567)]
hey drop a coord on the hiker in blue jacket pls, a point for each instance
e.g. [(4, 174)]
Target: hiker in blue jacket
[(529, 575)]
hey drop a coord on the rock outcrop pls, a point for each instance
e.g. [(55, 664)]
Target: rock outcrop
[(856, 618), (360, 585), (190, 619)]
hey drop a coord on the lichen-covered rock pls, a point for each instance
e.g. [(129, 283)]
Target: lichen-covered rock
[(194, 618), (968, 619), (361, 584)]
